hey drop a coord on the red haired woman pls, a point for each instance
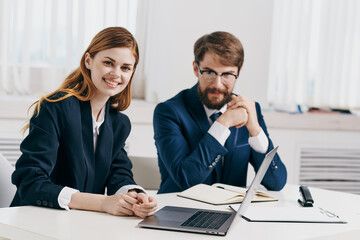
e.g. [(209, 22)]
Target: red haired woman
[(74, 151)]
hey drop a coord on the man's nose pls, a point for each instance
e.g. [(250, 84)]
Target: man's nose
[(217, 81)]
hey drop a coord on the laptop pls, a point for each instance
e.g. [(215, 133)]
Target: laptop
[(202, 220)]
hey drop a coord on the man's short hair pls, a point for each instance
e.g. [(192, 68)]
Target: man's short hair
[(226, 47)]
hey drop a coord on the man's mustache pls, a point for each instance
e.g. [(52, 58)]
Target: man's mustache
[(214, 90)]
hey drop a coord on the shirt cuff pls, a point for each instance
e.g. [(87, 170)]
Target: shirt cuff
[(65, 197), (219, 132), (259, 143), (126, 188)]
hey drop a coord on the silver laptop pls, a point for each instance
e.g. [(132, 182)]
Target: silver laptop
[(203, 220)]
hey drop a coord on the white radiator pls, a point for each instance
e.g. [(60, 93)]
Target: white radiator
[(10, 148), (330, 167)]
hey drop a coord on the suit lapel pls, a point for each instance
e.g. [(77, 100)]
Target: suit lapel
[(104, 142), (88, 143), (196, 110)]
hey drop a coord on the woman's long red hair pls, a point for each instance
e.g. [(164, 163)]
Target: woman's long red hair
[(79, 83)]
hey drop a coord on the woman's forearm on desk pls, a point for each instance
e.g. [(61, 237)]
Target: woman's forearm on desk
[(118, 204)]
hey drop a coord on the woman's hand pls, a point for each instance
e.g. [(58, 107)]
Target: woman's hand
[(145, 205), (120, 204)]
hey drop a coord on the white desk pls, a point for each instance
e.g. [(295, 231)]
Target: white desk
[(41, 223)]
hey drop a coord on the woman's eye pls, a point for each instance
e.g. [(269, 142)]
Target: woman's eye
[(108, 63), (126, 69)]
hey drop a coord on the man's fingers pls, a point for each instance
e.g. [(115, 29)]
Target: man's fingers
[(240, 125), (240, 101)]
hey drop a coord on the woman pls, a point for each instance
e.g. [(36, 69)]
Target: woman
[(75, 146)]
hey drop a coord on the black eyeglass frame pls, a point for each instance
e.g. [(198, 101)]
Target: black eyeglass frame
[(217, 74)]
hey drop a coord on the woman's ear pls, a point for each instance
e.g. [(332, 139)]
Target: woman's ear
[(88, 61)]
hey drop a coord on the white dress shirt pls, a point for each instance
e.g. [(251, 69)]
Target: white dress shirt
[(66, 193), (259, 143)]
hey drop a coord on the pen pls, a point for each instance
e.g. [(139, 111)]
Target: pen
[(328, 213)]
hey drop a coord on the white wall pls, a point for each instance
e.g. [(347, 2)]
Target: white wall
[(175, 25)]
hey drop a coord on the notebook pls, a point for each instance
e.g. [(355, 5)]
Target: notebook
[(221, 194), (203, 220)]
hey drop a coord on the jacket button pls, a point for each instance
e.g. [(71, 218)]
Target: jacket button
[(38, 202), (45, 203), (51, 204), (274, 165)]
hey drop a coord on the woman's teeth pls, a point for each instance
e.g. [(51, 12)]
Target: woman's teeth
[(111, 82)]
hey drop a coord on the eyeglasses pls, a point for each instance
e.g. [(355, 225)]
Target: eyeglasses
[(211, 75)]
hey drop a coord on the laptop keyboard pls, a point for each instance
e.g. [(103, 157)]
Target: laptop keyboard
[(203, 219)]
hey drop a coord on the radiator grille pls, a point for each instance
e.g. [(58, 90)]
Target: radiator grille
[(10, 148), (332, 168)]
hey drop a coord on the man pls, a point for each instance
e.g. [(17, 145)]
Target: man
[(206, 134)]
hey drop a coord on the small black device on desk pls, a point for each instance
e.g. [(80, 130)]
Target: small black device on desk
[(306, 198)]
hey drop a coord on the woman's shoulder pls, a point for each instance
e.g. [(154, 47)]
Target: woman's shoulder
[(60, 109), (59, 100), (55, 115)]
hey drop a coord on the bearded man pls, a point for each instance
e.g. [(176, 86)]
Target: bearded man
[(207, 134)]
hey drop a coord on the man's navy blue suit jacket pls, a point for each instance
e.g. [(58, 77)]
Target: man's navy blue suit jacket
[(59, 151), (189, 155)]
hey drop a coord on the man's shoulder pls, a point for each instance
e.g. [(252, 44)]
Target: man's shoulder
[(176, 106), (179, 100)]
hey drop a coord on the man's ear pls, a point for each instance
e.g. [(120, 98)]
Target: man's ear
[(88, 61), (196, 71)]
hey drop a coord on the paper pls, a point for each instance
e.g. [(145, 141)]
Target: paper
[(291, 214)]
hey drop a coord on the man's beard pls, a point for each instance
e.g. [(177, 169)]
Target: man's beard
[(203, 96)]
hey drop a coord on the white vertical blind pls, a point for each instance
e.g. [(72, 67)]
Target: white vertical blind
[(315, 53), (42, 41)]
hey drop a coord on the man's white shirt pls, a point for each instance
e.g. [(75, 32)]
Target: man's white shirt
[(259, 143)]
